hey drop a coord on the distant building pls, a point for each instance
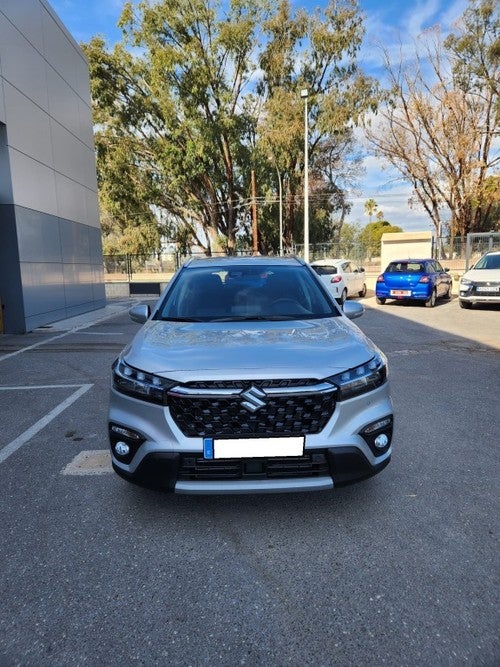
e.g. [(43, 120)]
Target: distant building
[(50, 237)]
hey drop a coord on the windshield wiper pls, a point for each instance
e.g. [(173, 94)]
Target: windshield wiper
[(256, 318), (181, 319)]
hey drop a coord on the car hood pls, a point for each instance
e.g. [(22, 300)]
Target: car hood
[(483, 275), (306, 348)]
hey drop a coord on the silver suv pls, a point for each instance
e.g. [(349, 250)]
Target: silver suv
[(481, 284), (248, 378)]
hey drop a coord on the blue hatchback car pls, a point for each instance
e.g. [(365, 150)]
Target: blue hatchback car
[(414, 279)]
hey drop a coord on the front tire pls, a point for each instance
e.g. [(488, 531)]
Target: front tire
[(380, 300), (431, 301), (448, 293), (363, 291)]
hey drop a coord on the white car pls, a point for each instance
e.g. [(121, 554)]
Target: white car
[(481, 284), (342, 277)]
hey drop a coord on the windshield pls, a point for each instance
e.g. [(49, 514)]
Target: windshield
[(488, 262), (246, 293)]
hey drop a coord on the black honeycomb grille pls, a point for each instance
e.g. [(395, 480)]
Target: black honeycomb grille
[(282, 415)]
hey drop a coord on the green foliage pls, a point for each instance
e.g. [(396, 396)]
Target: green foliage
[(371, 235), (199, 92)]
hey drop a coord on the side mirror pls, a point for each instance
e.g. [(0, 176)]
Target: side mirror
[(353, 309), (140, 313), (361, 269)]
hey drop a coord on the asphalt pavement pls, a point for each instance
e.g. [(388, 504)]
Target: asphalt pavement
[(399, 570)]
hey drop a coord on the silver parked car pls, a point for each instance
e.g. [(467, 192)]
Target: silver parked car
[(248, 378), (481, 284)]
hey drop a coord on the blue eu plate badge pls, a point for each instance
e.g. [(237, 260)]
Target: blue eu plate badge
[(208, 448)]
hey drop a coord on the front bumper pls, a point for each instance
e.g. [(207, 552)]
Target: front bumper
[(163, 458), (169, 472), (471, 293)]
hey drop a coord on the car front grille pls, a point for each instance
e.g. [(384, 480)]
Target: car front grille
[(196, 468), (252, 409)]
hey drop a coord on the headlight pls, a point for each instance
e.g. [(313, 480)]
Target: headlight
[(361, 379), (466, 282), (139, 384)]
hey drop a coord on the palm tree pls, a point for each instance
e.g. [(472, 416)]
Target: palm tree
[(370, 207)]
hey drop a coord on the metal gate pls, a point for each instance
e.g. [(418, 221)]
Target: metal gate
[(478, 244)]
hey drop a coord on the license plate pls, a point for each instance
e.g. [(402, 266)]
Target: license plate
[(400, 292), (251, 448), (488, 288)]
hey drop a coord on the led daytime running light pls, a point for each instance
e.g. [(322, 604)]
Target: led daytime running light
[(139, 384), (361, 379)]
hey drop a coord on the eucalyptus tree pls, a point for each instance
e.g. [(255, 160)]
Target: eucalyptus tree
[(172, 123), (198, 93)]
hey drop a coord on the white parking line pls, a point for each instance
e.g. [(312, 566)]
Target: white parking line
[(41, 423), (35, 345), (75, 329), (40, 386)]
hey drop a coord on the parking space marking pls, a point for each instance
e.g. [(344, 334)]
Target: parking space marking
[(41, 423), (76, 329), (39, 386), (89, 462), (34, 346)]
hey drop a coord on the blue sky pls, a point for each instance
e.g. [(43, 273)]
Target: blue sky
[(395, 24)]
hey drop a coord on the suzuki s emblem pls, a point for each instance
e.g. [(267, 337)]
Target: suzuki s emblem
[(253, 399)]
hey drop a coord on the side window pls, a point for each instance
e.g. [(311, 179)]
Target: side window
[(346, 268), (438, 267)]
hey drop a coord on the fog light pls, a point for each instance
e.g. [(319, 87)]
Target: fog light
[(122, 449), (378, 435), (124, 442), (381, 441)]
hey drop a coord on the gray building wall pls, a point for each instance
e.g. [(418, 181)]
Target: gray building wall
[(50, 237)]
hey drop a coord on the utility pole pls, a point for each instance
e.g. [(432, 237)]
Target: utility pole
[(254, 217)]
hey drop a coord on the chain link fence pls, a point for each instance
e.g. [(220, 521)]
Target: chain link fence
[(457, 254)]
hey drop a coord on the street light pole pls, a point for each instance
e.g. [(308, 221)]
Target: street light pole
[(304, 93)]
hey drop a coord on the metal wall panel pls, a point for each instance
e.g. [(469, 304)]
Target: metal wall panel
[(2, 99), (71, 199), (92, 210), (26, 16), (33, 183), (22, 64), (50, 250), (38, 236), (43, 288), (64, 103), (75, 243), (29, 126), (59, 50)]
